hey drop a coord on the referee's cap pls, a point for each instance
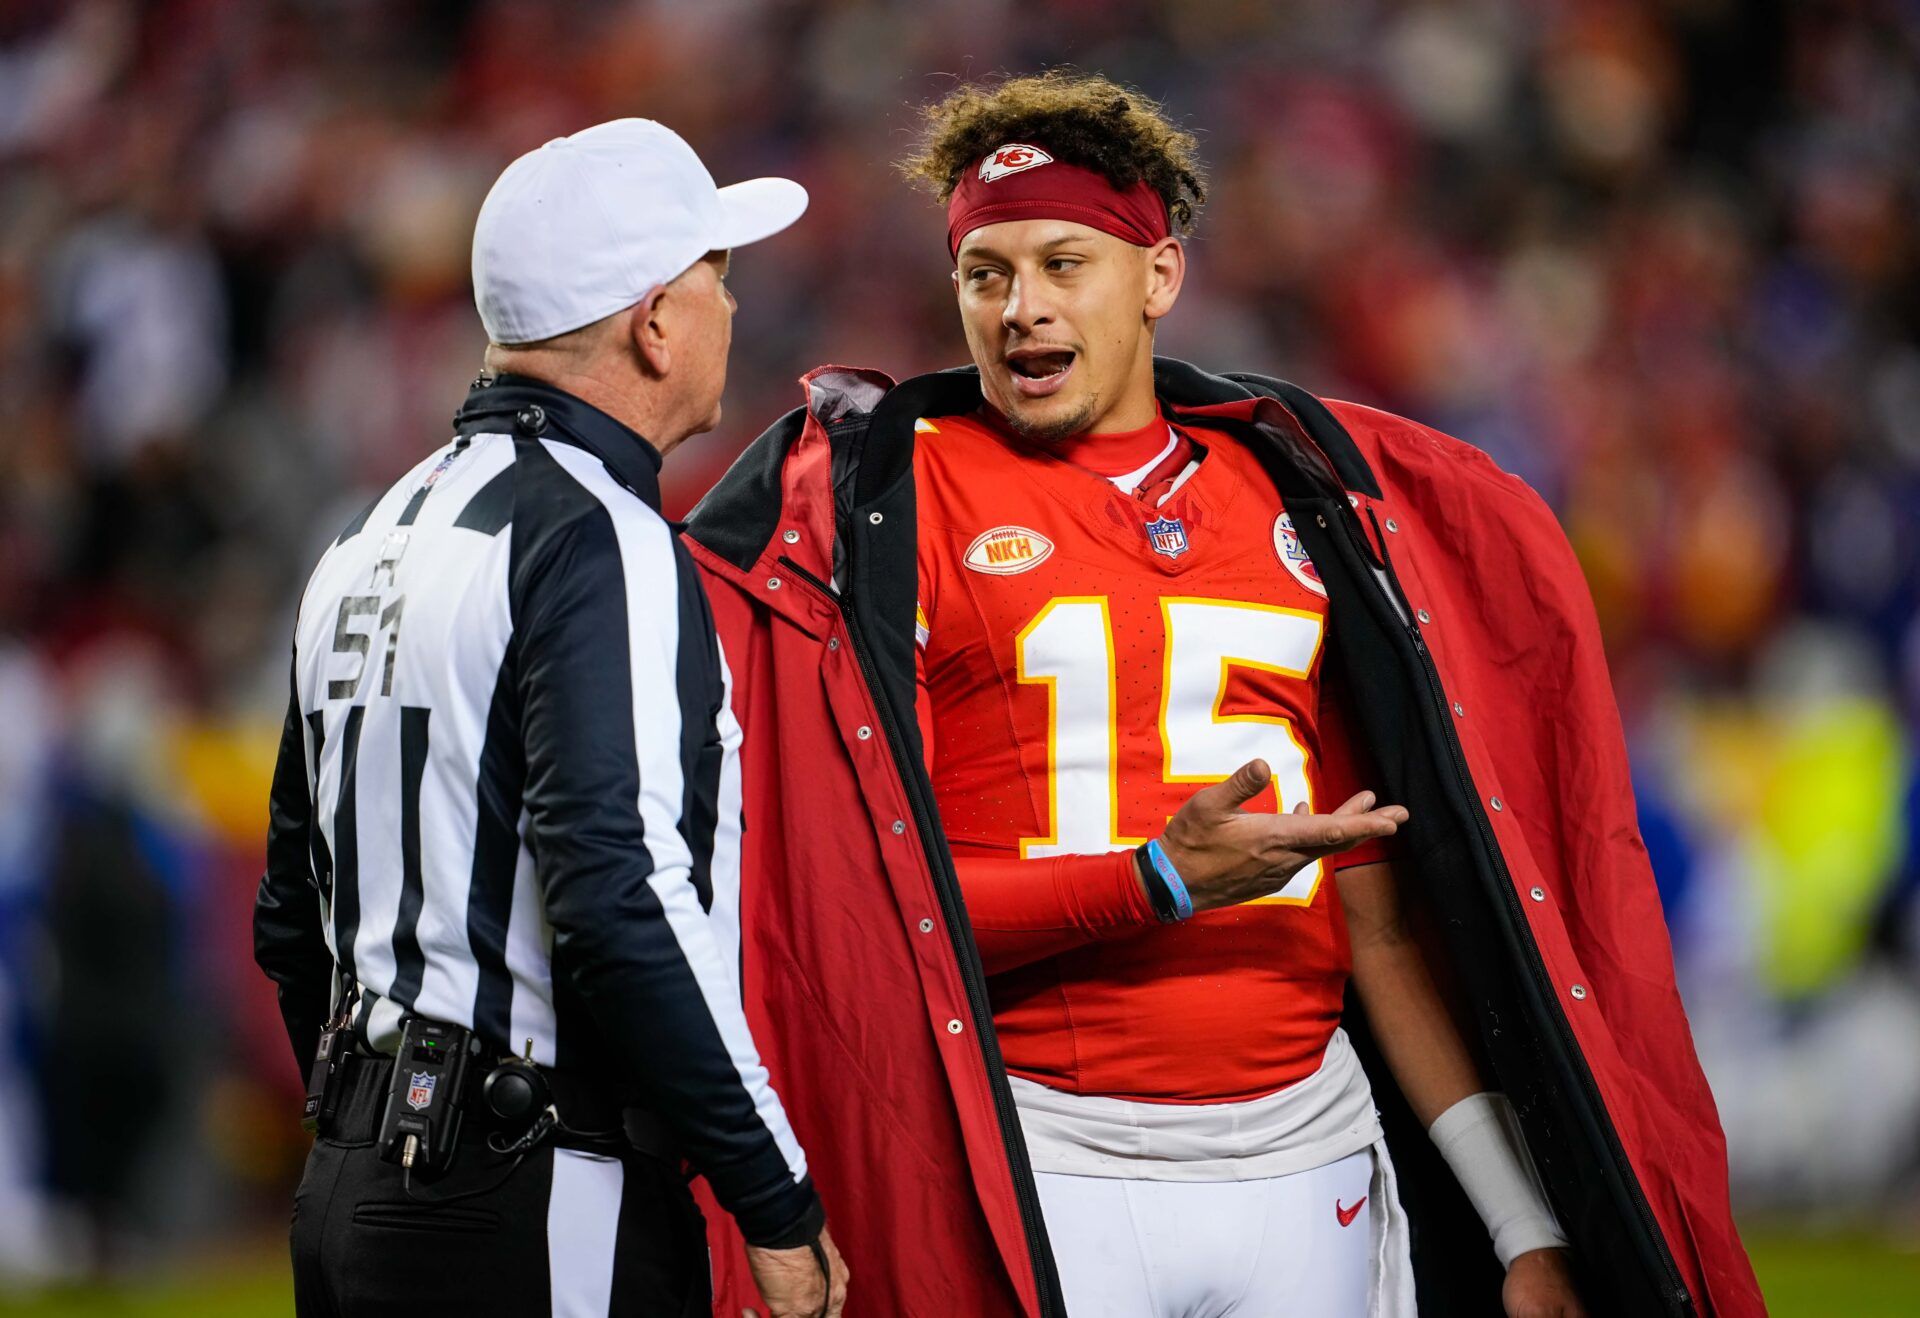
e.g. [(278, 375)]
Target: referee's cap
[(588, 224)]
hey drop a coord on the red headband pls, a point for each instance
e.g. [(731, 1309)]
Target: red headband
[(1021, 182)]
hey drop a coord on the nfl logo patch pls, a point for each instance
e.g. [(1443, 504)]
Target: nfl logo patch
[(440, 469), (1168, 536), (420, 1089)]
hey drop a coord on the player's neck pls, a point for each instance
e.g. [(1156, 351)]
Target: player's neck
[(1122, 440), (1135, 409), (1113, 452)]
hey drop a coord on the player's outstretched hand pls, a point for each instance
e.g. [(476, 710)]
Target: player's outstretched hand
[(790, 1280), (1227, 855)]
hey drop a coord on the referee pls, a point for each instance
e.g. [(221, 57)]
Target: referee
[(505, 832)]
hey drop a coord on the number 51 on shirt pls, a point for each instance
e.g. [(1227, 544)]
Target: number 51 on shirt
[(1068, 647)]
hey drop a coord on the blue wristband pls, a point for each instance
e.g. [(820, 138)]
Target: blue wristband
[(1176, 887)]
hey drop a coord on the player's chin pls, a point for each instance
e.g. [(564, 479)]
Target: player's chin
[(1047, 420)]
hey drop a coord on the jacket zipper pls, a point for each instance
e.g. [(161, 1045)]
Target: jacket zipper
[(1535, 963), (947, 885)]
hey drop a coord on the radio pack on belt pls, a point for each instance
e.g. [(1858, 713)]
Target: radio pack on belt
[(421, 1123)]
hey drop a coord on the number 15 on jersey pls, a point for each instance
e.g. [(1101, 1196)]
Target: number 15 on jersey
[(1069, 648)]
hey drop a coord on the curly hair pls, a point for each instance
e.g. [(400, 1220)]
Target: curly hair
[(1081, 118)]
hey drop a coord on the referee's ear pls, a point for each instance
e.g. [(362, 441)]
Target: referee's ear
[(647, 330)]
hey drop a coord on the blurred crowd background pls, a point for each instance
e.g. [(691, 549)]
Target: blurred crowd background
[(1660, 257)]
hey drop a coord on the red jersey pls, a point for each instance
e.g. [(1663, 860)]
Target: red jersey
[(1088, 660)]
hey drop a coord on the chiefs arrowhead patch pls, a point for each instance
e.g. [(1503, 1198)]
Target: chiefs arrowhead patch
[(1011, 159)]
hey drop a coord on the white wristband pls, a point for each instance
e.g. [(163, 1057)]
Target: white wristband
[(1480, 1138)]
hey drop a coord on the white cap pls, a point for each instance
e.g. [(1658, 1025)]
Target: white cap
[(592, 223)]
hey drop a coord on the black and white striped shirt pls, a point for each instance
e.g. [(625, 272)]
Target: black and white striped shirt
[(508, 792)]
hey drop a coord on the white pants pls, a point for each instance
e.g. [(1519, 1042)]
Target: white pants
[(1298, 1245)]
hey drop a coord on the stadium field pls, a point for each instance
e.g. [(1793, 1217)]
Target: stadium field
[(1804, 1276)]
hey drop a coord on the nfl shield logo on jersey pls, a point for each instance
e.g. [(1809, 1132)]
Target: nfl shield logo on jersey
[(420, 1089), (1168, 536)]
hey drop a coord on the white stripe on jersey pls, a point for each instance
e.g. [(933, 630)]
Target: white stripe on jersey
[(725, 865), (467, 661), (530, 958)]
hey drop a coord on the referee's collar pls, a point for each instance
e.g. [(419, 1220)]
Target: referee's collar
[(529, 408)]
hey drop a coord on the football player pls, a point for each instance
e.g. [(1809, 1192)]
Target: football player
[(1168, 853)]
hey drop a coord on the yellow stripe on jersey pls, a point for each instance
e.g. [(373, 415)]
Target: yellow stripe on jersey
[(925, 427), (921, 631)]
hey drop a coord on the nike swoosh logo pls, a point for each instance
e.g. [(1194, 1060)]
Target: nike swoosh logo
[(1346, 1215)]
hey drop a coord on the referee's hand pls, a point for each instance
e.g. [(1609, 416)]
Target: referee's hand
[(792, 1285)]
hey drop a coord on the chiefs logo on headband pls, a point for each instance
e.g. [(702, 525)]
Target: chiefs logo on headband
[(1009, 184), (1011, 159)]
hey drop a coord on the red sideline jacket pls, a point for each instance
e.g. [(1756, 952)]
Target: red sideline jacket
[(1461, 618)]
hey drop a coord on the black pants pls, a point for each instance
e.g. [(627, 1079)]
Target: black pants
[(567, 1233)]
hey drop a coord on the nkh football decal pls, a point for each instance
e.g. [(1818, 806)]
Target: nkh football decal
[(1293, 556), (420, 1090), (1011, 159), (1006, 550), (1168, 536)]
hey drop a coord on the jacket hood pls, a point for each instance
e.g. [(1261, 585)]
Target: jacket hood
[(868, 423)]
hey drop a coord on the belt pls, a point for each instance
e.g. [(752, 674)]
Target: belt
[(590, 1111)]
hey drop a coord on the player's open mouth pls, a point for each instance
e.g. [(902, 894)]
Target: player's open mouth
[(1037, 372)]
